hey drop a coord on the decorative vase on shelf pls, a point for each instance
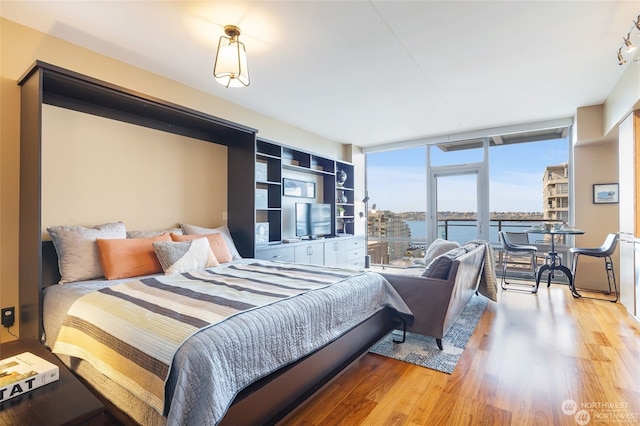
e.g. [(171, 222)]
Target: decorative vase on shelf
[(341, 177), (342, 198)]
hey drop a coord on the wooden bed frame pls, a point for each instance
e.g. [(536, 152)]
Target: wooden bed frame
[(267, 400)]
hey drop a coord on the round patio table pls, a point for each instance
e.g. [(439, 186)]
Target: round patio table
[(553, 262)]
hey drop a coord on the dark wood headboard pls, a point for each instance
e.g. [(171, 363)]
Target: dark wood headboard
[(50, 270), (48, 84)]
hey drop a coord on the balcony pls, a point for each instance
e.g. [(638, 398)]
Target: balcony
[(401, 251)]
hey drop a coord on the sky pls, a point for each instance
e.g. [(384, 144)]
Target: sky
[(515, 175)]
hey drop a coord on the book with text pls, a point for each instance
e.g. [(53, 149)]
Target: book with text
[(25, 372)]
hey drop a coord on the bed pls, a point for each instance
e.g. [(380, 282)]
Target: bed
[(264, 398), (254, 366)]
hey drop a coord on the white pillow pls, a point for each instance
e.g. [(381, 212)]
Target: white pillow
[(77, 250), (150, 234), (437, 248), (184, 256), (197, 230)]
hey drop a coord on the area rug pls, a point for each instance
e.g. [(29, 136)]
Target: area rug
[(423, 350)]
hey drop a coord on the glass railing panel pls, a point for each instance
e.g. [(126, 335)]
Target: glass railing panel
[(398, 252), (409, 252)]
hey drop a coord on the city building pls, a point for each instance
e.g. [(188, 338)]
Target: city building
[(555, 193), (394, 230)]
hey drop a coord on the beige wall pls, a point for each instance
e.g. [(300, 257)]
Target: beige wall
[(594, 163), (595, 160), (96, 170), (19, 48)]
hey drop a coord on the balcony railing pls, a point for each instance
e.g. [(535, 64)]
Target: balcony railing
[(447, 228), (402, 251)]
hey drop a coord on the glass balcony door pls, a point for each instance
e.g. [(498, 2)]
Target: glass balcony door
[(457, 205)]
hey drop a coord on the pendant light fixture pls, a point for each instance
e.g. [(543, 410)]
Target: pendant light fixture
[(230, 68), (628, 45), (621, 60)]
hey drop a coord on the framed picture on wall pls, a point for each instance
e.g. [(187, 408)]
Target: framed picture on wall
[(605, 193), (262, 232), (262, 198), (261, 171), (298, 188)]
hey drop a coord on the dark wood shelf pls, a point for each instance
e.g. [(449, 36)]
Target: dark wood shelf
[(63, 402), (306, 169), (78, 92), (263, 155), (296, 162)]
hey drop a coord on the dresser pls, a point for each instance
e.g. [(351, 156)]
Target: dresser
[(344, 252)]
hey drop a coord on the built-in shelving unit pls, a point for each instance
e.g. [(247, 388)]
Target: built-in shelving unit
[(275, 162), (268, 200), (274, 210), (345, 198)]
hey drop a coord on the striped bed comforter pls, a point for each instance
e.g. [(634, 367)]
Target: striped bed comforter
[(154, 336)]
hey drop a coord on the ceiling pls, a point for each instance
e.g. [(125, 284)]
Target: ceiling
[(369, 72)]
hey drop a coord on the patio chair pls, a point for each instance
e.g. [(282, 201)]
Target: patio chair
[(604, 251), (516, 244)]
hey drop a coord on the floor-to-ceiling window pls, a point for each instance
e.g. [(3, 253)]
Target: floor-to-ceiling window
[(529, 182), (463, 190), (397, 191)]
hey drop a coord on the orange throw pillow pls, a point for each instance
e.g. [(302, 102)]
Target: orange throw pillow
[(131, 257), (216, 241)]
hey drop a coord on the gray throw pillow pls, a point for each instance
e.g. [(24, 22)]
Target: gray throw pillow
[(198, 230), (438, 248), (150, 234), (184, 256), (454, 253), (78, 251), (439, 268)]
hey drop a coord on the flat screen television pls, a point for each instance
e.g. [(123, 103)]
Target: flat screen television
[(313, 220)]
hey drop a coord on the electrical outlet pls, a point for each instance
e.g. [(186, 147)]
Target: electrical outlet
[(8, 316)]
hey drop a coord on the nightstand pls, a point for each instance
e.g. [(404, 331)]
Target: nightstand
[(64, 402)]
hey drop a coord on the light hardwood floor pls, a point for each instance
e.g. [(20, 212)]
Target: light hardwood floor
[(528, 356)]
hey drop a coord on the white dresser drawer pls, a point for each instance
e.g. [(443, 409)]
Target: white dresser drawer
[(356, 253), (284, 254)]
